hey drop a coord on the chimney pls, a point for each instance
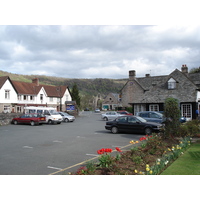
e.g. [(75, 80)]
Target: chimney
[(147, 75), (35, 81), (184, 69), (132, 75)]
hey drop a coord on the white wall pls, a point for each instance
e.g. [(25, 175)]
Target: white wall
[(13, 95)]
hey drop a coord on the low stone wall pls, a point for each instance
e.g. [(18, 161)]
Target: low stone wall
[(6, 118)]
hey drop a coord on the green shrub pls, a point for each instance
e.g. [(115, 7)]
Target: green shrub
[(190, 128)]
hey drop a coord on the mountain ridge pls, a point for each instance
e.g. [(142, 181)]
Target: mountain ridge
[(90, 87)]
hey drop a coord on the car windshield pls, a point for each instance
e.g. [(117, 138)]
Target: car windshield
[(53, 112), (66, 114), (141, 119)]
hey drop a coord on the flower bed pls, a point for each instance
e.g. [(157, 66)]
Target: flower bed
[(152, 156)]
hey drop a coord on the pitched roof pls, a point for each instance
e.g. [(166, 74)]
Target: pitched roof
[(156, 88), (54, 91), (3, 80), (33, 88), (26, 88)]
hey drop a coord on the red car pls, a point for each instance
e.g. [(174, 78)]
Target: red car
[(124, 112), (32, 119)]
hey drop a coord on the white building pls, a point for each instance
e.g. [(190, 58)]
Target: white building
[(15, 95)]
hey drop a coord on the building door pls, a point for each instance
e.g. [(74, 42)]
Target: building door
[(186, 111)]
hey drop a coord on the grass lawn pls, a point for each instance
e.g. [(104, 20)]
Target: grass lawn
[(187, 164)]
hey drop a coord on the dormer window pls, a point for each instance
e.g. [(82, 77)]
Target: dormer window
[(171, 84)]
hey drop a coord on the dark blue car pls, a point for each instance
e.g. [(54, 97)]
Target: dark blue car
[(153, 116)]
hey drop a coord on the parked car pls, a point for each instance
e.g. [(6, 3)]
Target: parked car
[(124, 112), (66, 117), (32, 119), (50, 113), (111, 115), (97, 110), (133, 124), (153, 116)]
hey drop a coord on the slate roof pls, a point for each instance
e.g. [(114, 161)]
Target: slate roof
[(156, 88)]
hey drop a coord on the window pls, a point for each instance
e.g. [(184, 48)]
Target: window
[(6, 109), (154, 107), (154, 115), (51, 99), (19, 97), (132, 120), (186, 110), (171, 84), (25, 97), (7, 94), (41, 97), (32, 98), (19, 109), (122, 119)]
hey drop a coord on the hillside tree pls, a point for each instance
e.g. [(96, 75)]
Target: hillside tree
[(75, 94)]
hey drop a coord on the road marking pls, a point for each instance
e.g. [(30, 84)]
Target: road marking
[(116, 146), (79, 137), (88, 154), (81, 163), (27, 147), (57, 141), (50, 167)]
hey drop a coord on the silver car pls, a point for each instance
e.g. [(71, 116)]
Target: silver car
[(111, 115), (66, 117)]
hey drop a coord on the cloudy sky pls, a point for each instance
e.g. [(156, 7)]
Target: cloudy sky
[(90, 51)]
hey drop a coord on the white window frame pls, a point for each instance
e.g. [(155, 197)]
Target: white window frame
[(19, 97), (7, 94), (186, 111), (25, 98), (6, 109), (154, 107), (32, 98), (171, 84)]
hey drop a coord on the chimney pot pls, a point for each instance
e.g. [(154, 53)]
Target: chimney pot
[(184, 69), (147, 75), (35, 81), (132, 74)]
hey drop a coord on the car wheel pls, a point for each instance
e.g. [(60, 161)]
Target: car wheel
[(105, 119), (66, 120), (32, 123), (114, 130), (15, 122), (50, 122), (148, 131)]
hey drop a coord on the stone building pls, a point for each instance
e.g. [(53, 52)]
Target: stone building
[(150, 92), (111, 101)]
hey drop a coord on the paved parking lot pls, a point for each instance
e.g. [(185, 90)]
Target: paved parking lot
[(47, 149)]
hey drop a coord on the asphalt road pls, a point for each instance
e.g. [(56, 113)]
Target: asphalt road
[(47, 149)]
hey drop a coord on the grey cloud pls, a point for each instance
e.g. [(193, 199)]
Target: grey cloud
[(97, 51)]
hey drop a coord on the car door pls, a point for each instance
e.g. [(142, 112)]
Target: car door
[(112, 116), (27, 119), (121, 123), (134, 126)]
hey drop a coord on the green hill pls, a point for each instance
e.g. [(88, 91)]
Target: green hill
[(90, 87)]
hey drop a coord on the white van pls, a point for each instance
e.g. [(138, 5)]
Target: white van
[(52, 116)]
